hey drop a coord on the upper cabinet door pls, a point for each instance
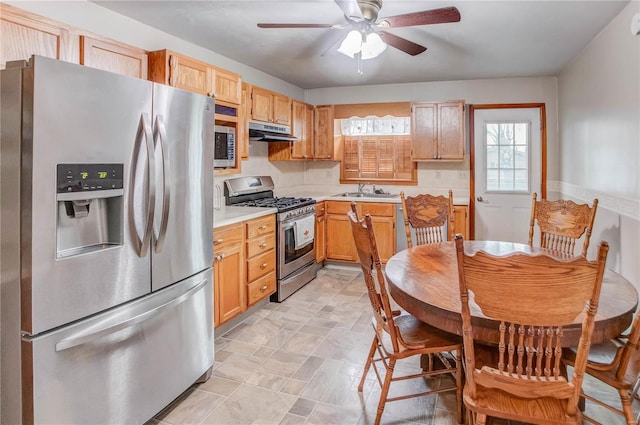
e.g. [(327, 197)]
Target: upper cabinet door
[(451, 131), (261, 104), (189, 74), (227, 86), (25, 34), (424, 132), (323, 147), (281, 109), (179, 71), (438, 131), (114, 57)]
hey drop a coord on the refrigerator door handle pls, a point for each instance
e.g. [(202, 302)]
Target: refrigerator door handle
[(144, 132), (99, 331), (160, 138)]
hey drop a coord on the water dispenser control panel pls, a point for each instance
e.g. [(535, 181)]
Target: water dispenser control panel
[(89, 177)]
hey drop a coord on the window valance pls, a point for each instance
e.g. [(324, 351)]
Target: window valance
[(396, 109)]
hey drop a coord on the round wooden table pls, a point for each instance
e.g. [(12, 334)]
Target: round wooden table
[(424, 281)]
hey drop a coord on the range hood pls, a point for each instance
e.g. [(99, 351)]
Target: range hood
[(261, 132)]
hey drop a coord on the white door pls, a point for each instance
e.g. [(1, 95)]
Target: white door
[(508, 169)]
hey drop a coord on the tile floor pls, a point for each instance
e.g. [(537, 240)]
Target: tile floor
[(300, 362)]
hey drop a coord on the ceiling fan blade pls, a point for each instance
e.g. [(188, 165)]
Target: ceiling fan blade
[(276, 25), (351, 9), (426, 17), (403, 44)]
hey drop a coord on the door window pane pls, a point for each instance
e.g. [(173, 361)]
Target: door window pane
[(507, 156)]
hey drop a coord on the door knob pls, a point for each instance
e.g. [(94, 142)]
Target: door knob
[(480, 199)]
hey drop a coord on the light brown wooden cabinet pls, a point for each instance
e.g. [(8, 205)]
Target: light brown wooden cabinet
[(267, 106), (340, 244), (228, 272), (225, 86), (302, 129), (113, 57), (261, 258), (461, 220), (437, 131), (323, 139), (179, 71), (321, 232), (25, 34)]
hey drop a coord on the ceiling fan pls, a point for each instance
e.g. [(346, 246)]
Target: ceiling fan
[(362, 16)]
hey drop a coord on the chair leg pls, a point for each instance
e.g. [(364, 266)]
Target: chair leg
[(367, 365), (385, 390), (459, 385), (626, 407)]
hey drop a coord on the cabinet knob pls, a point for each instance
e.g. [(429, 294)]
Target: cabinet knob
[(264, 288), (264, 226), (263, 265), (263, 245), (218, 241)]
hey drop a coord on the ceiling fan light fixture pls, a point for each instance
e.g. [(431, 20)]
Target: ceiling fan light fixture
[(352, 44), (373, 46)]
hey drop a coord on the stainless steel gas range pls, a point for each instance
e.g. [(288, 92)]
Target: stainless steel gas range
[(295, 243)]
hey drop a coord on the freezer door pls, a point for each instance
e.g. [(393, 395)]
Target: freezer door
[(124, 366), (75, 114), (183, 223)]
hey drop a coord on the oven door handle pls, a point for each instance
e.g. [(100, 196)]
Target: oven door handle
[(289, 223)]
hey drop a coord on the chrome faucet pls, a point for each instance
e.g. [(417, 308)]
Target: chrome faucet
[(361, 187)]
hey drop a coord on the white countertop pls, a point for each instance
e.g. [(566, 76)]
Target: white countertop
[(232, 215), (323, 193)]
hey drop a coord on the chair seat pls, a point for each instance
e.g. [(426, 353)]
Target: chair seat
[(543, 410), (417, 335), (602, 355)]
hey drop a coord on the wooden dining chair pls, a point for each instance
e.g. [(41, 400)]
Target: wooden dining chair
[(399, 336), (429, 216), (617, 364), (531, 296), (562, 223)]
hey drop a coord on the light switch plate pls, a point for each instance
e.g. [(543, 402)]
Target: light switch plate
[(635, 24)]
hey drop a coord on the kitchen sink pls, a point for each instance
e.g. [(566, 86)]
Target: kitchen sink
[(367, 195)]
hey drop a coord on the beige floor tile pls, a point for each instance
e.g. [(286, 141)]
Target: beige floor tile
[(283, 363), (250, 405), (218, 385), (191, 408), (290, 419), (293, 386), (238, 367)]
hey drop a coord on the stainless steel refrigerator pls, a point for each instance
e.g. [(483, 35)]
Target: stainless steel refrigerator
[(107, 216)]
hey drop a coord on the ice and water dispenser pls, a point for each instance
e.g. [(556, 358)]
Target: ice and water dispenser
[(90, 208)]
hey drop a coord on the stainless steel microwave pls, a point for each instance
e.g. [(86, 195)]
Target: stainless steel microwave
[(224, 154)]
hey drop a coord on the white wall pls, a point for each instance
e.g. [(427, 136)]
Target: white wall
[(599, 114)]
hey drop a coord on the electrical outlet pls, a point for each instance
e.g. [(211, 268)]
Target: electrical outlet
[(327, 174), (462, 174), (437, 174)]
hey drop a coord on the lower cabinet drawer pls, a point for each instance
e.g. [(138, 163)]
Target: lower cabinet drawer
[(261, 288), (261, 244), (260, 265)]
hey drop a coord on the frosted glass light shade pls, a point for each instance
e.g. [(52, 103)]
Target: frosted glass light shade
[(352, 43), (373, 46)]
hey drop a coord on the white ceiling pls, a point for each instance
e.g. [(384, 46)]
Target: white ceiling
[(494, 39)]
